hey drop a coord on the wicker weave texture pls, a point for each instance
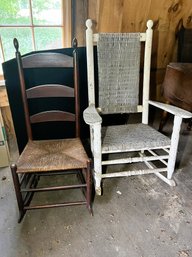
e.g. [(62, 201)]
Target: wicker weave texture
[(118, 67), (48, 155), (132, 137)]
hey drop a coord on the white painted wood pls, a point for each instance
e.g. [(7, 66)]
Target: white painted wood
[(139, 108), (91, 131), (142, 37), (174, 146), (132, 173), (90, 62), (146, 72), (170, 182), (172, 109), (96, 37), (165, 149), (157, 156), (135, 159), (97, 157), (91, 115)]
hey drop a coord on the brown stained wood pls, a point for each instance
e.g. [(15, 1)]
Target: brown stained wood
[(79, 17), (76, 86), (43, 60), (52, 116), (49, 156), (50, 90), (23, 89)]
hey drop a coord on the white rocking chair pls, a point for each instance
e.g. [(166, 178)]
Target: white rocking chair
[(118, 58)]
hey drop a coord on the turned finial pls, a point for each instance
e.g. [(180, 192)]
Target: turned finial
[(89, 23), (16, 44), (149, 24), (74, 43)]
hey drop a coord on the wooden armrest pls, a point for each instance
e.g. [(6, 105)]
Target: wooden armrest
[(172, 109), (91, 115)]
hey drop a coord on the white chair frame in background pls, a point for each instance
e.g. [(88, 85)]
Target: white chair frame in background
[(93, 119)]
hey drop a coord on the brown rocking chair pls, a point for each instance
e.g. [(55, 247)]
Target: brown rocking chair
[(50, 157)]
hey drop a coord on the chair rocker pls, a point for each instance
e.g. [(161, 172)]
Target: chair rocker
[(56, 157), (118, 58)]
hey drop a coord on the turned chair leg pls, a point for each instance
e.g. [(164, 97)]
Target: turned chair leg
[(89, 189), (18, 192)]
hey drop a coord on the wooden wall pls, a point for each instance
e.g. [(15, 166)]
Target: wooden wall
[(131, 16)]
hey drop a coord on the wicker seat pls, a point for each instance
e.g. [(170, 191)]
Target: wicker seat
[(49, 155), (54, 157), (132, 137), (119, 64)]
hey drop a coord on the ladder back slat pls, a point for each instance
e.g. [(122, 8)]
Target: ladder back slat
[(42, 60), (50, 90), (52, 116)]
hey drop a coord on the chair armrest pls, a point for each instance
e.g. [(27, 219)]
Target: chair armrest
[(91, 116), (172, 109)]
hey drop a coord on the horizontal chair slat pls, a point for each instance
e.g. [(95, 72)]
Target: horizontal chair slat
[(43, 189), (50, 90), (52, 116), (54, 205), (44, 60)]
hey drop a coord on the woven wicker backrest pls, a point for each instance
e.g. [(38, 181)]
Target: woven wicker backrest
[(118, 69)]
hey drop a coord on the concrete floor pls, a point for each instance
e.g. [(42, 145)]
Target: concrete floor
[(136, 217)]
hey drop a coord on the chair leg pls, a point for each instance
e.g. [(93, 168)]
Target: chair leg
[(174, 146), (18, 192), (89, 188), (97, 184), (97, 158)]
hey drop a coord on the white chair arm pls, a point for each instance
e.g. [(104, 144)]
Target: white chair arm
[(91, 116), (172, 109)]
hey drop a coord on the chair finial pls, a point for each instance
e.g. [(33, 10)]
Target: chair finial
[(149, 24), (89, 23), (74, 43), (16, 44)]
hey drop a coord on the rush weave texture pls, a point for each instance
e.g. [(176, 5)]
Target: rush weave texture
[(118, 68), (50, 155)]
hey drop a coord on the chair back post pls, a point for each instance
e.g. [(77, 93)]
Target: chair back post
[(146, 72), (90, 62), (76, 87), (23, 88)]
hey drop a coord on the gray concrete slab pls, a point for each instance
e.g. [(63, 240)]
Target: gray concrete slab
[(136, 217)]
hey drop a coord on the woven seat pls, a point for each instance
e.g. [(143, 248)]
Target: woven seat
[(53, 157), (39, 156), (132, 137), (119, 61)]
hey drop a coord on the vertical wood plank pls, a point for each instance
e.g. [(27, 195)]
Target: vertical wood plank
[(79, 16), (131, 16)]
